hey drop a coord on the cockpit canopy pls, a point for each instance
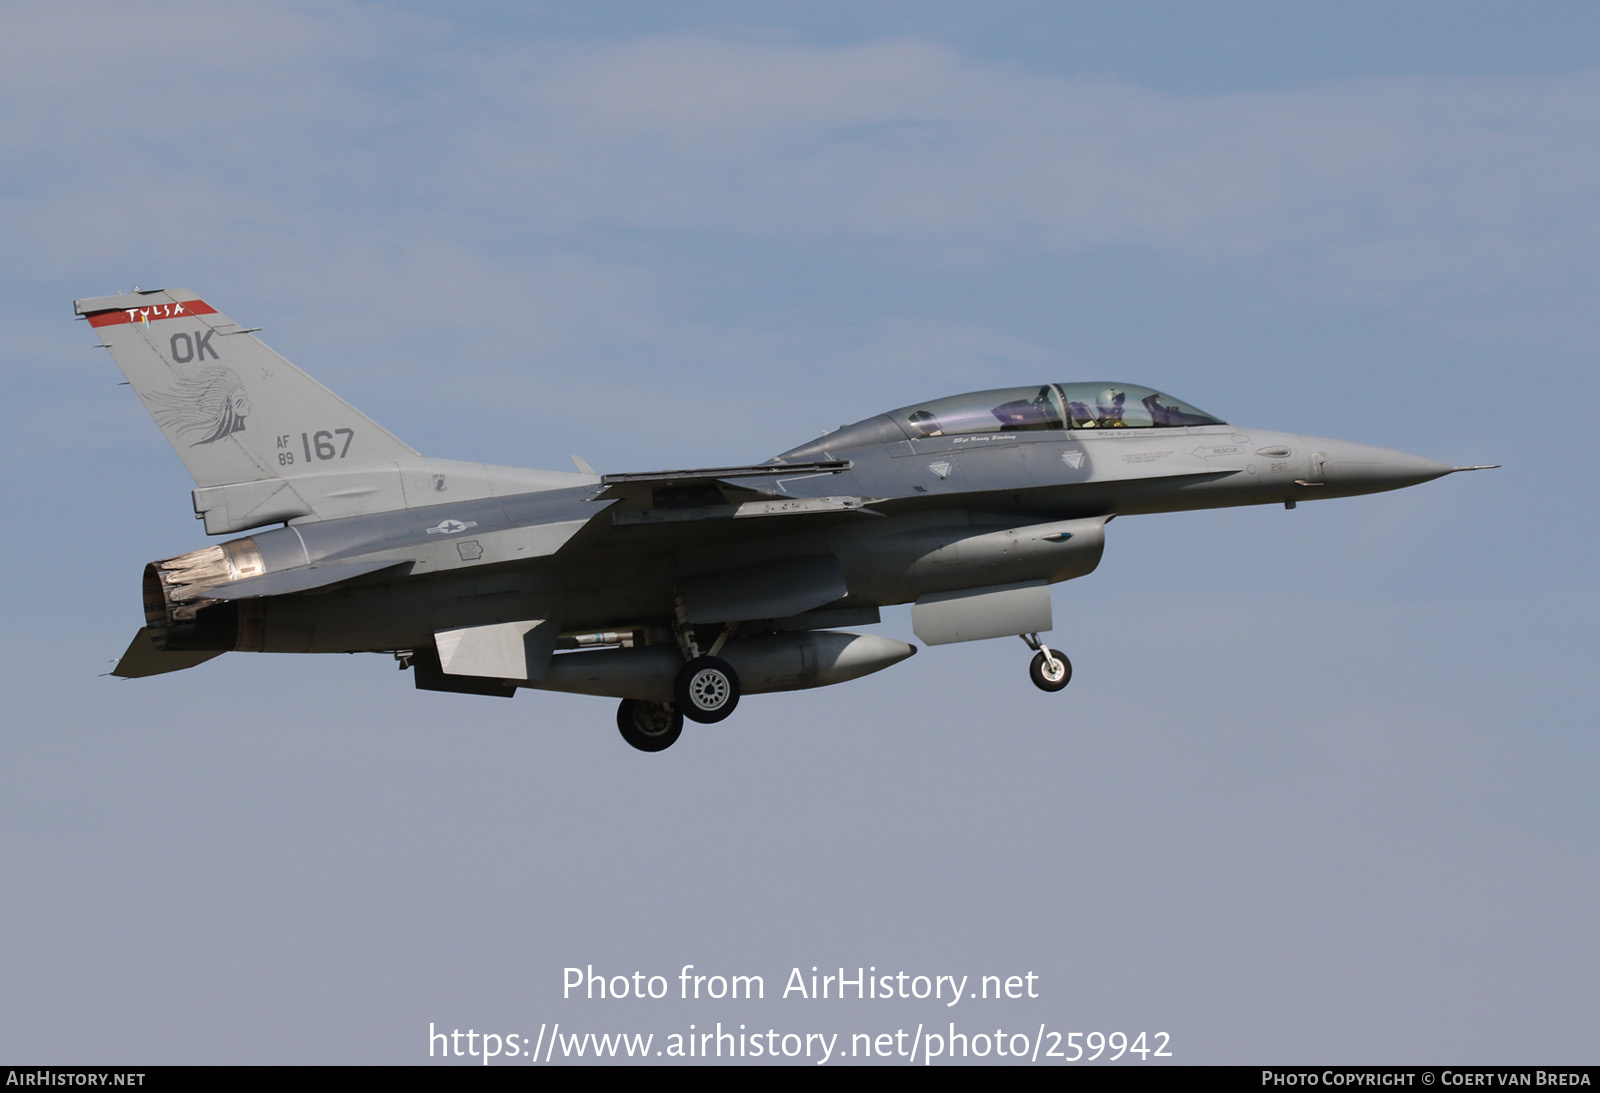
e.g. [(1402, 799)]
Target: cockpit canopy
[(1060, 406)]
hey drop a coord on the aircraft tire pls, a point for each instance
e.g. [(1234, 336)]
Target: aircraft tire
[(707, 689), (1049, 677), (649, 726)]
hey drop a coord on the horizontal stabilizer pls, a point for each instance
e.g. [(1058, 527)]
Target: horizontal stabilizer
[(144, 659), (304, 579)]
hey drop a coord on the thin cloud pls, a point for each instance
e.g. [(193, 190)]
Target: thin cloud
[(1469, 199)]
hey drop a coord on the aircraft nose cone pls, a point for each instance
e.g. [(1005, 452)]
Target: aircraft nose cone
[(1360, 468)]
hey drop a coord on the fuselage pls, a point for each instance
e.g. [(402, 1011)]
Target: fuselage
[(674, 591), (953, 510)]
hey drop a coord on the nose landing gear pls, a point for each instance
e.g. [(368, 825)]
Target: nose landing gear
[(1050, 671)]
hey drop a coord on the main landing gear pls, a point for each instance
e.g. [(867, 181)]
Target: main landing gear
[(706, 690), (1050, 670), (649, 726)]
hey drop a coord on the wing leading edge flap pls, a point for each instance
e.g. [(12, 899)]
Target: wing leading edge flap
[(675, 489), (717, 474), (721, 493)]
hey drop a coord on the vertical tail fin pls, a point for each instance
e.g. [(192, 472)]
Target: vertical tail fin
[(233, 409)]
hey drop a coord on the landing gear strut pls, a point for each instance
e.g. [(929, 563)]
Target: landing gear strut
[(1050, 671), (706, 688), (649, 726)]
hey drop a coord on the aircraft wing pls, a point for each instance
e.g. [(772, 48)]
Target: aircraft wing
[(720, 474), (721, 493)]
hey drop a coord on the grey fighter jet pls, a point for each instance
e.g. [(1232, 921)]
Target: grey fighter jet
[(675, 591)]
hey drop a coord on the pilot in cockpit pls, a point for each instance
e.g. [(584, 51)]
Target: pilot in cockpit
[(1107, 411), (1108, 408), (925, 424)]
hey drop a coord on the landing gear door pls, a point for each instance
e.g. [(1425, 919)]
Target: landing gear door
[(972, 614)]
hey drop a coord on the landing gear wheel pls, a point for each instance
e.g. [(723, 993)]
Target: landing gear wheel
[(1050, 671), (707, 689), (649, 726)]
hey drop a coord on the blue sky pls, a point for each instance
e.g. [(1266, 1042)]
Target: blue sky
[(1322, 787)]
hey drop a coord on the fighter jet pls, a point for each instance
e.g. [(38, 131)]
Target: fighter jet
[(675, 591)]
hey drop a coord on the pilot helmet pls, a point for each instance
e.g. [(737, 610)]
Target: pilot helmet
[(1110, 400)]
